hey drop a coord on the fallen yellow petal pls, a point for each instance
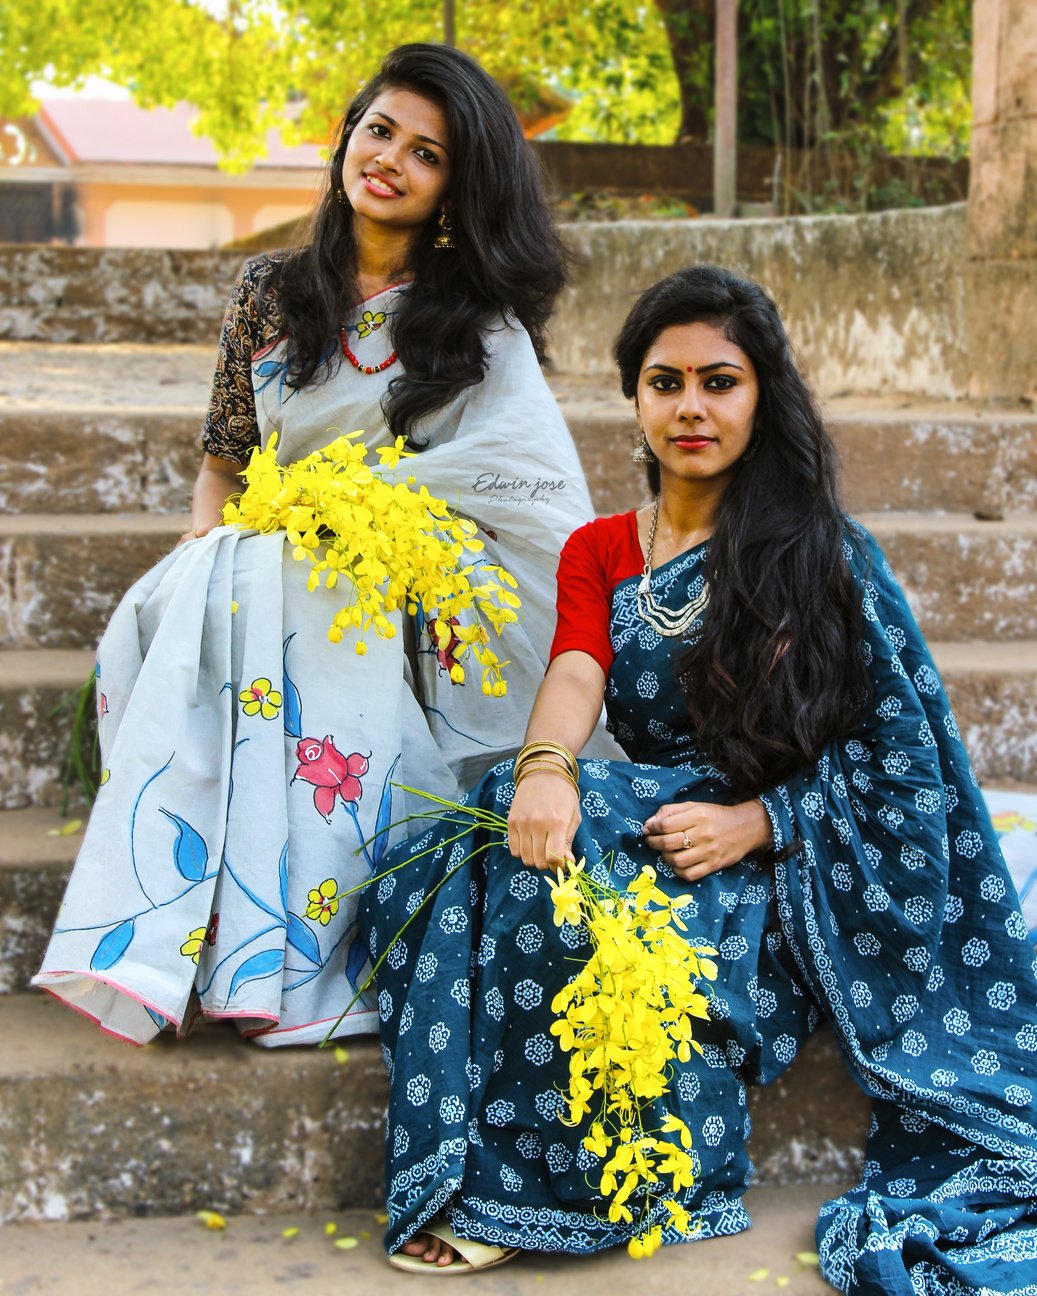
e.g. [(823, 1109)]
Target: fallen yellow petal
[(341, 1055), (211, 1219), (290, 1232), (365, 1234), (782, 1282), (330, 1229), (233, 606), (346, 1243), (66, 829), (757, 1275), (380, 1217), (807, 1257)]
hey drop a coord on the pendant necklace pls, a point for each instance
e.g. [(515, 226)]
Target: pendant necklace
[(659, 618)]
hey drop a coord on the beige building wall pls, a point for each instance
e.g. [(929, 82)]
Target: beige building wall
[(181, 216)]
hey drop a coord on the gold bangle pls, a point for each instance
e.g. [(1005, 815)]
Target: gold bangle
[(542, 745), (549, 767), (546, 761), (546, 754)]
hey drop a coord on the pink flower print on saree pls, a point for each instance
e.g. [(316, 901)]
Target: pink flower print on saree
[(330, 773)]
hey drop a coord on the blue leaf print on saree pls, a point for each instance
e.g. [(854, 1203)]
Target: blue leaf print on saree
[(384, 818), (190, 854), (266, 963), (356, 957), (292, 699), (303, 940), (112, 947)]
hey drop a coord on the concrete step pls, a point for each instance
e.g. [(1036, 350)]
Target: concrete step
[(115, 427), (90, 1126), (992, 687), (964, 578), (34, 715), (253, 1258), (36, 855), (62, 575)]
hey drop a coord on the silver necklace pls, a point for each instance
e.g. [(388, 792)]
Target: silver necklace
[(659, 618)]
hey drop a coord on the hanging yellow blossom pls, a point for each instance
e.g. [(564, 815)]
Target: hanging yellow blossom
[(623, 1018), (389, 545)]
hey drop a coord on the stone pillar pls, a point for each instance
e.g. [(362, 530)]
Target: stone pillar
[(1001, 279)]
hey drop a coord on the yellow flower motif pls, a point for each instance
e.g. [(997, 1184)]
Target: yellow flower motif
[(192, 947), (369, 323), (260, 698), (390, 544), (323, 905)]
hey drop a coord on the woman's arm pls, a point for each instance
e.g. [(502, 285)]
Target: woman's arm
[(545, 812), (217, 479), (231, 428)]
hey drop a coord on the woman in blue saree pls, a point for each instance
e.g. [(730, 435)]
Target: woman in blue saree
[(793, 756)]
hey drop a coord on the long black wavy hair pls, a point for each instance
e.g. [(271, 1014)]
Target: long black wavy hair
[(508, 259), (777, 669)]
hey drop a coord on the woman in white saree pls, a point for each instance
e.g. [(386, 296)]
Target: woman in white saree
[(246, 757)]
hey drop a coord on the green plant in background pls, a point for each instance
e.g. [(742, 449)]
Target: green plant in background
[(813, 73), (81, 762)]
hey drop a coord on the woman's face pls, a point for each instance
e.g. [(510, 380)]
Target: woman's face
[(696, 396), (396, 167)]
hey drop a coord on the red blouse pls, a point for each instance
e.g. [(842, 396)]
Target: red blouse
[(594, 561)]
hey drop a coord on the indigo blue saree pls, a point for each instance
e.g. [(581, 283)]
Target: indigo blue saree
[(893, 917)]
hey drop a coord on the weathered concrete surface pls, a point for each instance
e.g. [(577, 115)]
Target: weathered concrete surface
[(62, 575), (993, 690), (34, 866), (1001, 269), (252, 1258), (141, 295), (90, 1126), (874, 303), (964, 579), (34, 690)]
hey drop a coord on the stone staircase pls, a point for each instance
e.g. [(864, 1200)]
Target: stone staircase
[(98, 452)]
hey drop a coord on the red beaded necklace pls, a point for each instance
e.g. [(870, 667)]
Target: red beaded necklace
[(365, 369)]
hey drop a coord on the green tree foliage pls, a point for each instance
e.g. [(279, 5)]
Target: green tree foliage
[(895, 71)]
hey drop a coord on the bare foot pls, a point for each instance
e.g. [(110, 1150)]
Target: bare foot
[(432, 1250)]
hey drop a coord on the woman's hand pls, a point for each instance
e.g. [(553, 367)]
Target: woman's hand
[(196, 534), (697, 838), (544, 816), (217, 479)]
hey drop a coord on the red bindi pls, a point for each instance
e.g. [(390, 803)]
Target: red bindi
[(691, 368)]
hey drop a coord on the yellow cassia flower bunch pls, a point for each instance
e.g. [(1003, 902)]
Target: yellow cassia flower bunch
[(623, 1018), (397, 546)]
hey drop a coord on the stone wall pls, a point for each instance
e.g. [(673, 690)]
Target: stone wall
[(874, 304)]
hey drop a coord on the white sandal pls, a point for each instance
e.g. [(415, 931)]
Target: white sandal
[(471, 1256)]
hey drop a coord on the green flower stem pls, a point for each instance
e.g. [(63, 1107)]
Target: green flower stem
[(374, 971)]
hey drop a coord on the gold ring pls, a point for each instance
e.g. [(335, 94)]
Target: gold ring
[(686, 840)]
